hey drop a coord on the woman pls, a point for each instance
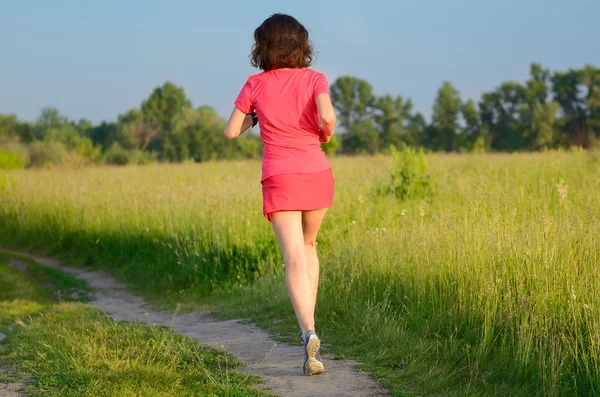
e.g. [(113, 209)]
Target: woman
[(293, 105)]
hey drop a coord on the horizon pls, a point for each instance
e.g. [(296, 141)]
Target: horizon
[(98, 61)]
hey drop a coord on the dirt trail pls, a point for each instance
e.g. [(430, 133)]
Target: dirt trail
[(11, 389), (280, 366)]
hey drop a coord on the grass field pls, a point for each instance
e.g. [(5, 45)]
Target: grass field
[(68, 348), (488, 287)]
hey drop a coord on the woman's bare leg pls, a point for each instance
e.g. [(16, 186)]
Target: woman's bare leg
[(287, 226), (311, 223)]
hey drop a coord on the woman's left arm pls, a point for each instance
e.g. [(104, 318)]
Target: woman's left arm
[(238, 123)]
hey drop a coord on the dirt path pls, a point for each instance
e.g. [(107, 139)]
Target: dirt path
[(279, 364), (11, 389)]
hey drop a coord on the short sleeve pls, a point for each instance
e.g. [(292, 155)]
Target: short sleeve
[(321, 85), (244, 99)]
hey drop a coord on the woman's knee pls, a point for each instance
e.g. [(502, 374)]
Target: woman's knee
[(310, 242)]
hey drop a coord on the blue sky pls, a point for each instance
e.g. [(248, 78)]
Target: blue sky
[(96, 59)]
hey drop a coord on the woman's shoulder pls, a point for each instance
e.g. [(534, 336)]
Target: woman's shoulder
[(263, 74), (310, 73), (254, 77), (317, 78), (314, 72)]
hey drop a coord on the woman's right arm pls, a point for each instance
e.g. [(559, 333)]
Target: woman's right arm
[(327, 116)]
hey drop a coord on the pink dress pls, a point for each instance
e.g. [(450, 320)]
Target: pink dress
[(296, 175)]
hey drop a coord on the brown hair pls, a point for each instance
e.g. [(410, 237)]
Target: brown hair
[(281, 42)]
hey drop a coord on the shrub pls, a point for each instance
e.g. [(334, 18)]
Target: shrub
[(14, 145), (479, 146), (139, 157), (116, 155), (409, 176), (10, 160), (47, 153), (86, 149)]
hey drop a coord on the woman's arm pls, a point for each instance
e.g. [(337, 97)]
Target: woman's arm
[(326, 116), (238, 123)]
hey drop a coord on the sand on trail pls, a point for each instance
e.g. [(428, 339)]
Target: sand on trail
[(13, 388), (279, 364)]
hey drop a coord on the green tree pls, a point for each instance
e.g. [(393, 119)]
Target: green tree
[(364, 139), (392, 116), (500, 116), (103, 134), (537, 85), (197, 135), (539, 117), (51, 126), (13, 131), (49, 119), (65, 134), (446, 111), (134, 132), (164, 104), (83, 126), (8, 127), (159, 112), (416, 130), (14, 135), (568, 92), (590, 76), (471, 117), (206, 136), (542, 131), (353, 99)]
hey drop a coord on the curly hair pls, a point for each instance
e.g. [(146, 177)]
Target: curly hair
[(281, 42)]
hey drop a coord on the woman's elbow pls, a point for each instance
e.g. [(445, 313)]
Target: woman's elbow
[(329, 119), (229, 134)]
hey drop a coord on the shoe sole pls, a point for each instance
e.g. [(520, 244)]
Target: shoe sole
[(312, 366)]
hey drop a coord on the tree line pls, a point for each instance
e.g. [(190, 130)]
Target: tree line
[(549, 110), (166, 127)]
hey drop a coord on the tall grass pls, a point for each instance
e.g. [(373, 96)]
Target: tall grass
[(489, 287)]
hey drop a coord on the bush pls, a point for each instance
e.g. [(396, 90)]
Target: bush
[(10, 160), (86, 149), (47, 153), (479, 146), (409, 176), (116, 155), (15, 145), (138, 157)]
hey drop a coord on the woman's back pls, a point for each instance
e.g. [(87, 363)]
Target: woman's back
[(284, 100)]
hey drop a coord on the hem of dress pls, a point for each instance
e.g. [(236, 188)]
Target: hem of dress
[(262, 178), (267, 215)]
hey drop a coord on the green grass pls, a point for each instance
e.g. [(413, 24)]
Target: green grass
[(489, 287), (71, 349), (35, 288)]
